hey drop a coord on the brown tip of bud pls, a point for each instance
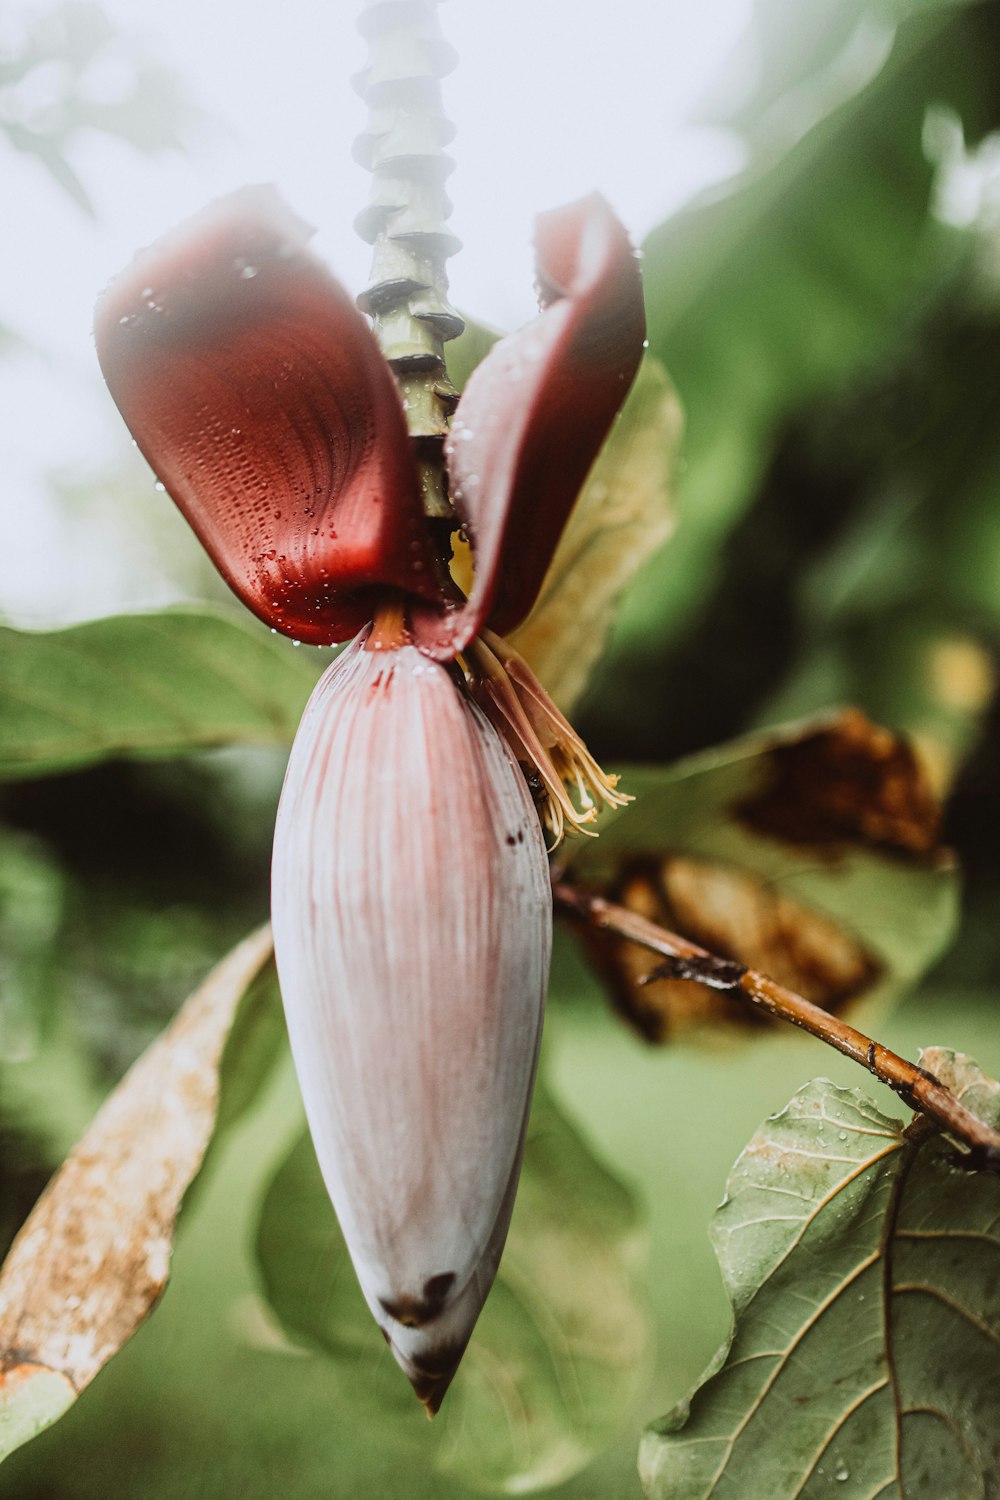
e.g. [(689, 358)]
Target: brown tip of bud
[(430, 1380)]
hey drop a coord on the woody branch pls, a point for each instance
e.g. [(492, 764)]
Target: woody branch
[(682, 959)]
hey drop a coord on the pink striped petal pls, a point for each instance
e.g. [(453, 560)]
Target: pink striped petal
[(535, 414), (257, 393), (412, 926)]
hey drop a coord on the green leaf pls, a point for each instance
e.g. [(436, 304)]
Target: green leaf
[(93, 1257), (468, 350), (810, 853), (559, 1351), (623, 515), (784, 286), (862, 1265), (155, 684)]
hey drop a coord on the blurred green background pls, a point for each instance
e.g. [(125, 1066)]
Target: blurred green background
[(831, 319)]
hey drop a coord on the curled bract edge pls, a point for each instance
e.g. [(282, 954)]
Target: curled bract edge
[(258, 394)]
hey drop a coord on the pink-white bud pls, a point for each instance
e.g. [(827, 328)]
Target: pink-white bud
[(412, 927)]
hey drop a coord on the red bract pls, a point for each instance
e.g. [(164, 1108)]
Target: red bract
[(259, 396)]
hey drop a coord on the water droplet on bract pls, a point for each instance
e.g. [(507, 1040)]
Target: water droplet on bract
[(841, 1472), (128, 321), (273, 631), (466, 435), (159, 485), (248, 272), (296, 643), (842, 1135), (147, 291)]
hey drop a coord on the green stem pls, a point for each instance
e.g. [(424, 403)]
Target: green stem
[(406, 221)]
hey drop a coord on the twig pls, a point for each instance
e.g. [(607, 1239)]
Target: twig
[(918, 1089)]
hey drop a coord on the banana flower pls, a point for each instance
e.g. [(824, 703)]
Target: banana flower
[(411, 901)]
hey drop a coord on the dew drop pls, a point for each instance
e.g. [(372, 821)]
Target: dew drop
[(247, 273), (841, 1472), (842, 1135), (645, 343), (159, 485)]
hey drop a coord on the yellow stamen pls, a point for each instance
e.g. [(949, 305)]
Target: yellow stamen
[(541, 737)]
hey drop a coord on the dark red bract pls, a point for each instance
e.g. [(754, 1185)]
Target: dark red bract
[(259, 396)]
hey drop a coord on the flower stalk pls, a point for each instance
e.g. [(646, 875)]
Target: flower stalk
[(405, 222)]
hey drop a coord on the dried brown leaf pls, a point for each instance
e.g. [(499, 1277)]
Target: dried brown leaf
[(94, 1255), (624, 513), (735, 914), (848, 781), (809, 853)]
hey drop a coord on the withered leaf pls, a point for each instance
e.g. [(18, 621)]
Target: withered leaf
[(623, 515), (809, 853), (94, 1255), (733, 913), (849, 780)]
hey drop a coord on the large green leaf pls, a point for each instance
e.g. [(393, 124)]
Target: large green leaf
[(145, 685), (862, 1264), (559, 1351), (623, 515), (810, 852)]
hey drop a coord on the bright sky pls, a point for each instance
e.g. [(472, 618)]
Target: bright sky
[(552, 98)]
